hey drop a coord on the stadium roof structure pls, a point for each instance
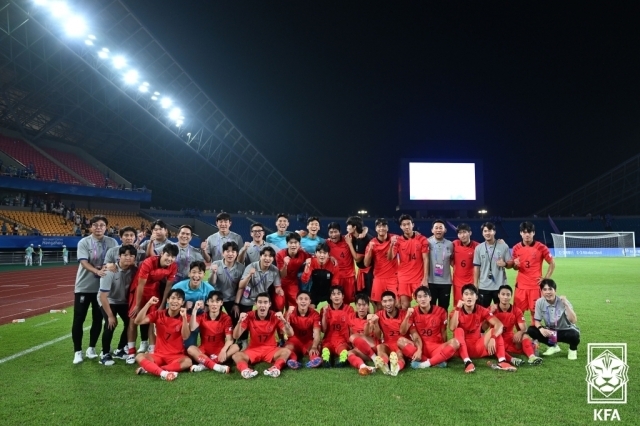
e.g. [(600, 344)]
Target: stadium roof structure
[(616, 192), (56, 87)]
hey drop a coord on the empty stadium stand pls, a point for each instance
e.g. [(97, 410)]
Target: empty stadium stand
[(46, 223), (78, 165), (117, 217), (24, 153)]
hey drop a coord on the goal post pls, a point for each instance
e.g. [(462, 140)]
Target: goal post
[(594, 244)]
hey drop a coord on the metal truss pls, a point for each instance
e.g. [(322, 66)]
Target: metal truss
[(56, 88), (616, 192)]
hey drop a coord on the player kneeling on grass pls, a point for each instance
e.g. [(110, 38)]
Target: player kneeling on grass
[(172, 330), (335, 326), (512, 318), (306, 325), (386, 326), (430, 323), (114, 288), (466, 323), (216, 339), (361, 337), (559, 318), (262, 325)]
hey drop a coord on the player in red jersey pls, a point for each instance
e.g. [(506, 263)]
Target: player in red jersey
[(361, 335), (527, 260), (216, 335), (306, 326), (385, 267), (289, 262), (262, 325), (322, 274), (412, 251), (172, 328), (512, 318), (466, 323), (462, 261), (386, 327), (145, 285), (336, 317), (341, 252), (430, 323)]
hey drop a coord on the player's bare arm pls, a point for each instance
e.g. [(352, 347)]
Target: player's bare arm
[(113, 322), (571, 316), (404, 326), (288, 330), (142, 317), (186, 331), (240, 326), (194, 315)]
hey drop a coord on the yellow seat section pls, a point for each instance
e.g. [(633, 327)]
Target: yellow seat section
[(119, 218), (46, 223)]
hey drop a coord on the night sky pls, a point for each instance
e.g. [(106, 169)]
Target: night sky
[(546, 94)]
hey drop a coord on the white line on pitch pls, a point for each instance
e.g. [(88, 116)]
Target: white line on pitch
[(66, 285), (37, 347), (46, 322), (14, 285)]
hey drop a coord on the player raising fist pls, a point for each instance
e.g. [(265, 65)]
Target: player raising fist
[(172, 329)]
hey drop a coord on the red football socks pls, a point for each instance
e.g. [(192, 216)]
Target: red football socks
[(242, 366), (208, 362), (150, 367), (409, 350), (443, 353), (459, 335), (527, 347), (363, 346), (279, 364), (354, 360)]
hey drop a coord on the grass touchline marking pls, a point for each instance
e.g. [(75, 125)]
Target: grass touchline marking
[(46, 322), (37, 347)]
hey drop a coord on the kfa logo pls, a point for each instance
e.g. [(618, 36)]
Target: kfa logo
[(607, 374), (606, 414)]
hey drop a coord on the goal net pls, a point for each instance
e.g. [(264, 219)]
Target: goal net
[(594, 244)]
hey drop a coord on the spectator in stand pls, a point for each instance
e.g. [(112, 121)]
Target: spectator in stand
[(16, 228), (4, 228)]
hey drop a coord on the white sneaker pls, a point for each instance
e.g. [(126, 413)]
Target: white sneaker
[(552, 350), (224, 369), (91, 353), (131, 359), (573, 355), (196, 368), (77, 358), (394, 368), (144, 346), (272, 372)]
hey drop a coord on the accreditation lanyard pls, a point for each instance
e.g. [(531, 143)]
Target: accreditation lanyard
[(226, 271), (184, 261), (555, 314), (492, 253), (95, 251), (264, 277)]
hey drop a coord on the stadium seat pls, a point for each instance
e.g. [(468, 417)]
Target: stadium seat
[(24, 153), (79, 166)]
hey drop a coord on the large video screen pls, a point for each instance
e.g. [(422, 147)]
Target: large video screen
[(442, 181)]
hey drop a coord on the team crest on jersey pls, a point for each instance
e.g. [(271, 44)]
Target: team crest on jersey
[(178, 328)]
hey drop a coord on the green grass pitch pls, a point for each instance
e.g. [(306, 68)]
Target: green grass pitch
[(44, 387)]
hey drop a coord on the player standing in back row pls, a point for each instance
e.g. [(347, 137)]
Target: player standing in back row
[(490, 259), (412, 252), (527, 260), (91, 254), (215, 242), (385, 268), (463, 249), (440, 257)]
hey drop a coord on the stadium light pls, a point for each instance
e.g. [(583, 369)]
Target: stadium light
[(131, 77), (91, 37), (59, 9), (166, 103), (119, 62), (75, 26), (41, 2), (89, 43), (482, 213), (362, 212), (103, 55), (154, 98), (175, 114), (179, 123), (156, 93), (143, 88)]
